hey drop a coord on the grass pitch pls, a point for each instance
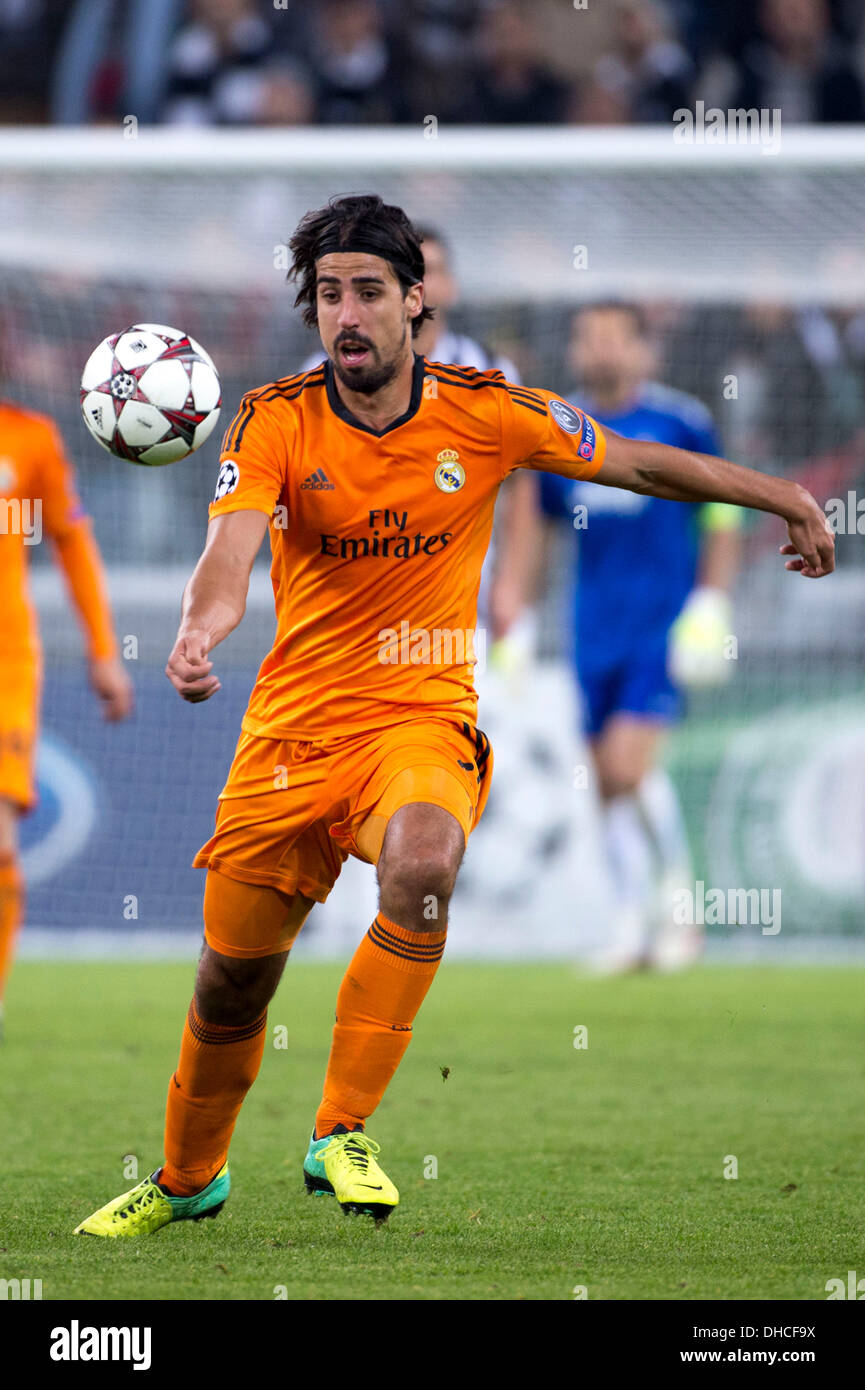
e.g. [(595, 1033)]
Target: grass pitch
[(557, 1167)]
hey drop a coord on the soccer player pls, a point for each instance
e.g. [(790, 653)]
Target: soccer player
[(38, 496), (651, 613), (376, 475), (503, 612)]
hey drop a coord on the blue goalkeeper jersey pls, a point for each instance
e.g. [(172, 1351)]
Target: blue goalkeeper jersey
[(636, 555)]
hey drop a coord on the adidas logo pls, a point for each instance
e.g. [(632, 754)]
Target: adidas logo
[(318, 481)]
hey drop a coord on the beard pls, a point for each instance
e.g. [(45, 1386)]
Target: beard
[(369, 378), (365, 380)]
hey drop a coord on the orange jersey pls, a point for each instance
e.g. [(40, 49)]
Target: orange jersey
[(37, 500), (378, 539)]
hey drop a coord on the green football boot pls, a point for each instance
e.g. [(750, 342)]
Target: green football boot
[(146, 1208)]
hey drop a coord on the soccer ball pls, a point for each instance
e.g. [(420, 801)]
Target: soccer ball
[(150, 394)]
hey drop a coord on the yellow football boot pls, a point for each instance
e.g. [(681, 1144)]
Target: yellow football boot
[(345, 1165), (146, 1208)]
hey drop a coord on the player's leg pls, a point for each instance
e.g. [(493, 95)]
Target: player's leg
[(269, 859), (11, 890), (223, 1036), (624, 752), (417, 852), (419, 791), (396, 961), (674, 944), (220, 1054)]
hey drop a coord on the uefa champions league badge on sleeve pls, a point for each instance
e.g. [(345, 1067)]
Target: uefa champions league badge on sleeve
[(229, 477), (573, 421), (566, 417)]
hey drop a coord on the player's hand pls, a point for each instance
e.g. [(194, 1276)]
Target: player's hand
[(189, 669), (109, 679), (812, 541)]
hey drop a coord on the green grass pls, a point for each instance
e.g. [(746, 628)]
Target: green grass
[(600, 1167)]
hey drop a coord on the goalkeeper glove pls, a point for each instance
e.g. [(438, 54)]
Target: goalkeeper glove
[(698, 637)]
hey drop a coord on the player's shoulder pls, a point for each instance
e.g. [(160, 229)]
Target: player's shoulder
[(269, 407), (284, 389), (677, 405), (487, 384)]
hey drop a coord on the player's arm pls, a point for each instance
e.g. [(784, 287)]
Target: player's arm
[(214, 600), (78, 557), (251, 478), (81, 563), (541, 431), (660, 470), (720, 525)]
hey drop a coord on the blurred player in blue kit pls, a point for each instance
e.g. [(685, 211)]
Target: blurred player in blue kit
[(650, 614)]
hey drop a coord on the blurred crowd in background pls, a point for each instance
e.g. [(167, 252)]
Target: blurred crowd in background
[(342, 62)]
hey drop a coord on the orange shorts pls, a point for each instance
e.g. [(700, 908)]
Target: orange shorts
[(19, 713), (290, 810)]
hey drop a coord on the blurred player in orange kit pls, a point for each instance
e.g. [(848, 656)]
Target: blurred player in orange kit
[(375, 476), (38, 498)]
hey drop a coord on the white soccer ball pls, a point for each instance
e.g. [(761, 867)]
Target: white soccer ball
[(150, 394)]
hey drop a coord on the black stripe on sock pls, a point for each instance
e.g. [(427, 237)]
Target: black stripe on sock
[(427, 946), (207, 1033)]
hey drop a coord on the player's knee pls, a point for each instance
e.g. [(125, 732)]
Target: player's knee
[(418, 865), (233, 992), (420, 889)]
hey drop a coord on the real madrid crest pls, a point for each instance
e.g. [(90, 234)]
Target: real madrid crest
[(450, 474)]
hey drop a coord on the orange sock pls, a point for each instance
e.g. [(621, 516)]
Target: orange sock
[(217, 1066), (382, 990), (11, 908)]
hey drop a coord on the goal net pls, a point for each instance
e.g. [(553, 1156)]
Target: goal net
[(752, 270)]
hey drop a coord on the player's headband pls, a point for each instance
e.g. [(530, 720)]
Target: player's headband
[(367, 244)]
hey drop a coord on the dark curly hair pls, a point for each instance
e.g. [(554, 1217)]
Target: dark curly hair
[(358, 222)]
